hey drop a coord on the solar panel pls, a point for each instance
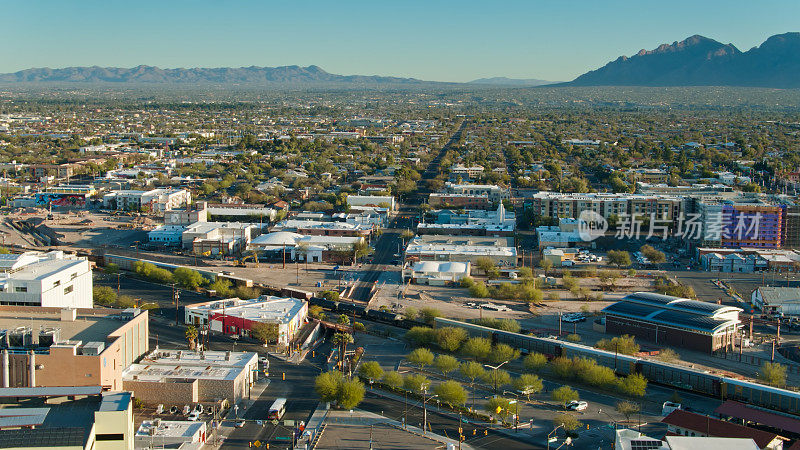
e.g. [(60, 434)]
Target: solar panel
[(645, 445)]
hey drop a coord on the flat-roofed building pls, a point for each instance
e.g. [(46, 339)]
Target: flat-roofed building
[(178, 377), (70, 347), (501, 250), (494, 193), (66, 418), (218, 238), (435, 273), (52, 279), (382, 201), (237, 317)]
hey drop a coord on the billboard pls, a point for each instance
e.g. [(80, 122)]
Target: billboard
[(59, 199)]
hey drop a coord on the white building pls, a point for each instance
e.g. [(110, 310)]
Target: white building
[(384, 201), (45, 279), (169, 235), (435, 273), (156, 200), (495, 194), (462, 248), (265, 213), (307, 247), (218, 238)]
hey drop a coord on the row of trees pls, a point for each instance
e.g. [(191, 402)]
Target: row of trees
[(452, 339), (191, 279)]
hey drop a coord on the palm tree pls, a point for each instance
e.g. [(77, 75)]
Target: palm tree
[(191, 335), (341, 340)]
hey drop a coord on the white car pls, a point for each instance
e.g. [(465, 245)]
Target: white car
[(577, 405), (194, 416)]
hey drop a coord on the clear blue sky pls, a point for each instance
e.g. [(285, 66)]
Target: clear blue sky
[(430, 39)]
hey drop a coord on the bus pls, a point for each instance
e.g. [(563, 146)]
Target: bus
[(277, 410)]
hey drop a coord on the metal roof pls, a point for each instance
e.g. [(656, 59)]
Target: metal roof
[(52, 391), (667, 317), (679, 303)]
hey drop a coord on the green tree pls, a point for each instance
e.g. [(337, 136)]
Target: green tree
[(111, 269), (503, 352), (485, 264), (627, 409), (479, 290), (450, 338), (624, 344), (562, 367), (619, 258), (327, 385), (420, 357), (497, 378), (188, 278), (315, 311), (410, 313), (103, 295), (393, 379), (429, 314), (451, 393), (471, 371), (349, 394), (528, 384), (564, 395), (634, 385), (567, 421), (655, 256), (445, 364), (421, 336), (416, 383), (221, 286), (265, 332), (546, 265), (773, 374), (343, 320), (371, 370), (534, 362), (477, 348)]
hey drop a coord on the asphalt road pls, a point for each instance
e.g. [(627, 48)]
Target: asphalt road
[(386, 246)]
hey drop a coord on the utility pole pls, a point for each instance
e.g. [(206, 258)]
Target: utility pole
[(176, 294)]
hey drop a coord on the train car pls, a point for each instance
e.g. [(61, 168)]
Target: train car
[(352, 308), (296, 293), (761, 395), (383, 316), (680, 376), (324, 302)]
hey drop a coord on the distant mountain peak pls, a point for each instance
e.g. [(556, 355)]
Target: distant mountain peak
[(701, 61)]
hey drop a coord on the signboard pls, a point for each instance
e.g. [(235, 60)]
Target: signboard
[(288, 423), (257, 444)]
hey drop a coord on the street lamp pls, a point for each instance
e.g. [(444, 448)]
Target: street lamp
[(425, 411), (494, 369), (516, 414), (553, 439)]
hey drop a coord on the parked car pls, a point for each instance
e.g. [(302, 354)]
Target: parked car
[(194, 416), (577, 405), (240, 423)]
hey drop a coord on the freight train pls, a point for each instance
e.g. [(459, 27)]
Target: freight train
[(672, 375)]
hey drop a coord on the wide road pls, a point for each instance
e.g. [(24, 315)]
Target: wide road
[(386, 246), (441, 424)]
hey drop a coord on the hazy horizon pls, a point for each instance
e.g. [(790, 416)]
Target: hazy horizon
[(424, 40)]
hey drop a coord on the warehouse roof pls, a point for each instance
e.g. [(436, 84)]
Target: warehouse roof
[(680, 304), (668, 317), (779, 295)]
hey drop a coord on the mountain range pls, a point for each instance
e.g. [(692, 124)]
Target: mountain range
[(504, 81), (695, 61), (700, 61), (223, 75)]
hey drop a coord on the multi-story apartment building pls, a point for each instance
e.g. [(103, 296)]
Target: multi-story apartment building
[(571, 205)]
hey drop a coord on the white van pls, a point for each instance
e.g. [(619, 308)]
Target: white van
[(668, 407)]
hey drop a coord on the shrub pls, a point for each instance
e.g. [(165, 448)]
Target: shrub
[(445, 364), (450, 338), (421, 336), (624, 344), (451, 393), (503, 352), (420, 357), (479, 290), (564, 394), (567, 421), (104, 295), (477, 348), (773, 374), (574, 337), (429, 314), (499, 324), (634, 385), (534, 361), (393, 379), (188, 278)]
